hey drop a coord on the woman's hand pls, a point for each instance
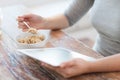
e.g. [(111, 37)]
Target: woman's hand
[(38, 22), (72, 68), (33, 20)]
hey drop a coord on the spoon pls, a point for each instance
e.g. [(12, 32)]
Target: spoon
[(30, 30), (26, 24)]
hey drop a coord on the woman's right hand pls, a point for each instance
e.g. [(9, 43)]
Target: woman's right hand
[(71, 68), (35, 21), (38, 22)]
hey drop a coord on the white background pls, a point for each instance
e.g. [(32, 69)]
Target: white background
[(30, 3)]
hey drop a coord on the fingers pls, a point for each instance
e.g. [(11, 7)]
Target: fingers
[(63, 65), (20, 19), (67, 64), (23, 26), (27, 16), (24, 30), (64, 72), (24, 17)]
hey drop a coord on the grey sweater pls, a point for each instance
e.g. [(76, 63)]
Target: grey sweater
[(105, 17)]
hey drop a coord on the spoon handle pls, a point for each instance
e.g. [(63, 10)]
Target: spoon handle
[(26, 24)]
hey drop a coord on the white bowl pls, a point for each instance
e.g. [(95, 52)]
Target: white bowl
[(45, 33)]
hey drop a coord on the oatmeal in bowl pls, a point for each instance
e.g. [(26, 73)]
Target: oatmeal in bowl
[(33, 39)]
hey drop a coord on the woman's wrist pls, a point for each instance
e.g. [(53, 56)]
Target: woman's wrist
[(99, 65), (87, 66), (91, 67)]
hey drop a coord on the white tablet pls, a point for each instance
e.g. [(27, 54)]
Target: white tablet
[(53, 56)]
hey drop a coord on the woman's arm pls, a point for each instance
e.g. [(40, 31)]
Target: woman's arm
[(111, 63), (75, 11), (78, 9), (79, 66), (56, 22)]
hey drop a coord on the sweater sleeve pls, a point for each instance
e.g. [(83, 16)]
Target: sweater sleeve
[(77, 9)]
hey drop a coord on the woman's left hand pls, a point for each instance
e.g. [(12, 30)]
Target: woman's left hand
[(72, 68)]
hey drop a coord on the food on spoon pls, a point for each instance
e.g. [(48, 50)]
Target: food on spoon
[(32, 30), (31, 39)]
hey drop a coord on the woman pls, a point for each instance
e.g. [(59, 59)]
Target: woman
[(105, 17)]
